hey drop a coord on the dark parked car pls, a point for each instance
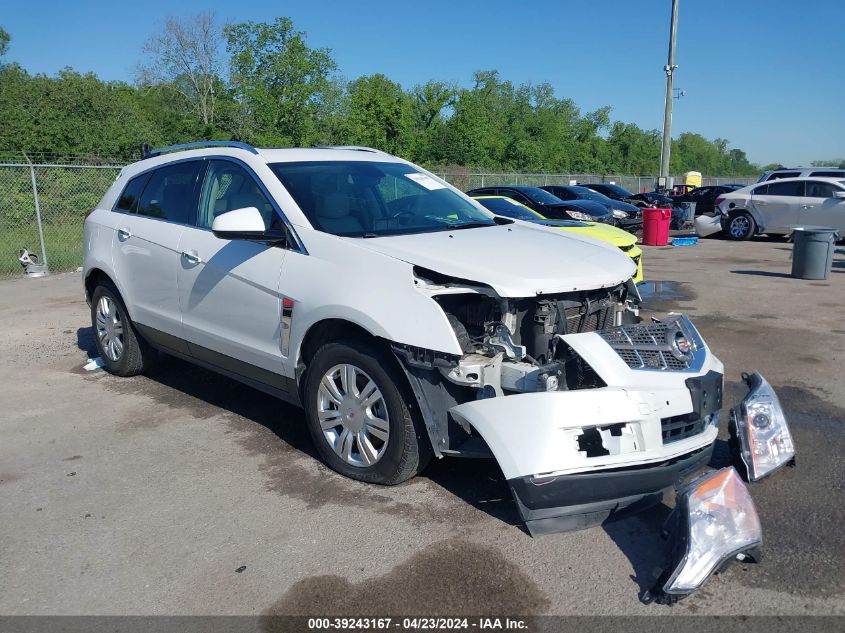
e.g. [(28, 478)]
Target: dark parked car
[(625, 214), (615, 192), (652, 199), (642, 200), (548, 205), (704, 197)]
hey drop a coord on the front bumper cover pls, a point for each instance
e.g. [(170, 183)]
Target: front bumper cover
[(574, 502), (573, 458)]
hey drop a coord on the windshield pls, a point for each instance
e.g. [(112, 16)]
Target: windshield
[(540, 196), (588, 194), (369, 199), (509, 209), (619, 191)]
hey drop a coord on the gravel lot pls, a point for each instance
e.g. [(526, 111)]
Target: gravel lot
[(145, 495)]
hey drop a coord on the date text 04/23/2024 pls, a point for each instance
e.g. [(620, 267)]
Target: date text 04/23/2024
[(417, 623)]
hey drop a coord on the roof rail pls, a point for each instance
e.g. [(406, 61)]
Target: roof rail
[(355, 148), (146, 152)]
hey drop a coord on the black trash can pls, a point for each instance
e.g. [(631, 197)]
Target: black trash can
[(812, 253)]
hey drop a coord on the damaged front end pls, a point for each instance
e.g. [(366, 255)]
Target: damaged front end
[(586, 410)]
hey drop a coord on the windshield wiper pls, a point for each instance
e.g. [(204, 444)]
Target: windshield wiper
[(467, 225)]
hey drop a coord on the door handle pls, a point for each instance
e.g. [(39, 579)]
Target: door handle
[(124, 234), (191, 257), (807, 206)]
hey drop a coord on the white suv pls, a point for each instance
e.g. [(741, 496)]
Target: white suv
[(778, 206), (406, 320)]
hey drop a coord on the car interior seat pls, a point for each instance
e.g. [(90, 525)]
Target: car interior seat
[(334, 215)]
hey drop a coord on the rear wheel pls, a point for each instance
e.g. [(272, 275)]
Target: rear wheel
[(358, 415), (122, 350), (741, 226)]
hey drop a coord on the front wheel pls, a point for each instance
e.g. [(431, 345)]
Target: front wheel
[(359, 417), (741, 226), (122, 350)]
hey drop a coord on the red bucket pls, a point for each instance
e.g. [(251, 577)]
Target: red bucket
[(656, 226)]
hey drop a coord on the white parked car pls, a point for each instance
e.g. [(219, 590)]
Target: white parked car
[(778, 206), (406, 320), (802, 172)]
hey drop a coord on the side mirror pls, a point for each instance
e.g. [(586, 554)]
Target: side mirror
[(839, 194), (244, 224)]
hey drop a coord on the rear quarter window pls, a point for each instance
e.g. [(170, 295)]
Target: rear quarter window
[(128, 199)]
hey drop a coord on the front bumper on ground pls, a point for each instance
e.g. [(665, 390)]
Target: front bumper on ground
[(574, 502), (573, 458)]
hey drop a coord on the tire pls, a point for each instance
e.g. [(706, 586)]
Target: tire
[(386, 452), (741, 226), (133, 355)]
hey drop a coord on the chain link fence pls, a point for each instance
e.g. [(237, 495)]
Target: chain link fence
[(466, 180), (51, 200)]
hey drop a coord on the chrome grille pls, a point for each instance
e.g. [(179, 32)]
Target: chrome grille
[(651, 345)]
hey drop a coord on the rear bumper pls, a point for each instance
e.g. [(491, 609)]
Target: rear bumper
[(573, 502)]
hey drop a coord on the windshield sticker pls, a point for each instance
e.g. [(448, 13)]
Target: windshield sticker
[(426, 181)]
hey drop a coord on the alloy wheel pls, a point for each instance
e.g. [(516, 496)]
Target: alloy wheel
[(353, 415), (740, 226), (109, 328)]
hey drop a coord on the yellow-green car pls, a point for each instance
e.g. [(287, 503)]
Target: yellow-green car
[(509, 208)]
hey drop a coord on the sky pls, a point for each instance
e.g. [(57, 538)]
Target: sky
[(766, 75)]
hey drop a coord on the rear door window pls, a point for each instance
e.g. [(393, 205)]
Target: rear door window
[(792, 188), (170, 193), (829, 174), (817, 189)]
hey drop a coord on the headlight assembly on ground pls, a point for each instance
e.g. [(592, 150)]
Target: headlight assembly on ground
[(759, 430), (714, 522)]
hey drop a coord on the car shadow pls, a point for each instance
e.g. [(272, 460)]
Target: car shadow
[(285, 420), (640, 538), (478, 482), (762, 273), (85, 341)]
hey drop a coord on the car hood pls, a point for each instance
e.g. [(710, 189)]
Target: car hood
[(627, 207), (595, 209), (516, 260)]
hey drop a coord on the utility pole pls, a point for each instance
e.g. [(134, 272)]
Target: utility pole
[(669, 68)]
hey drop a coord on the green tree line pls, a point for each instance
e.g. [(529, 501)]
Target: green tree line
[(263, 84)]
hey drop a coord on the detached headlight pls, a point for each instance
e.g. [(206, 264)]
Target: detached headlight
[(759, 425), (618, 213), (716, 522), (578, 215)]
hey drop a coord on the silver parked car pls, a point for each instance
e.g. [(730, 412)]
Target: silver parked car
[(778, 206)]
